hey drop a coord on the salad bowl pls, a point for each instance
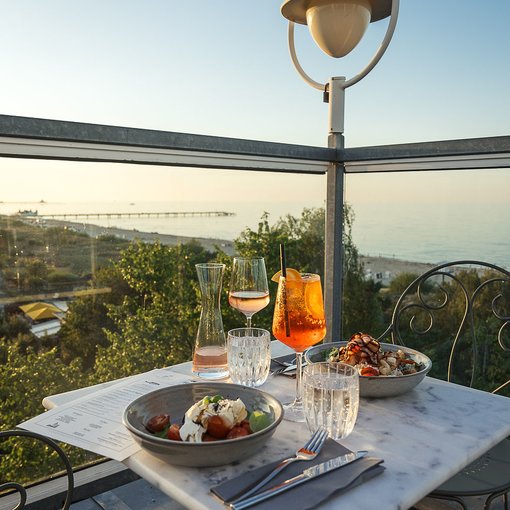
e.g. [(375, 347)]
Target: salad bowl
[(378, 386), (176, 400)]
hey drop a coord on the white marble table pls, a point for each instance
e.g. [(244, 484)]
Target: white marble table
[(424, 437)]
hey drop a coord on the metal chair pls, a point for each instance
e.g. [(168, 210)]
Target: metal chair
[(8, 487), (473, 298)]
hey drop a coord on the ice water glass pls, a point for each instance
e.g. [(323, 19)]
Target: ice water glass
[(331, 397), (249, 355)]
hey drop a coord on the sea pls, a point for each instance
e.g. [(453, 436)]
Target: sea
[(430, 233)]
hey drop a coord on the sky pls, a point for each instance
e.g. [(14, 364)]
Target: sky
[(222, 68)]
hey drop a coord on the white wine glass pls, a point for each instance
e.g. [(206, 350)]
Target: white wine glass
[(249, 291)]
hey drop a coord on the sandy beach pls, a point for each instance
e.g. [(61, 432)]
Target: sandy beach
[(136, 235), (381, 268), (389, 267)]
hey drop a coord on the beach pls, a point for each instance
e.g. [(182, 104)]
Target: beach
[(378, 267), (426, 234), (135, 235)]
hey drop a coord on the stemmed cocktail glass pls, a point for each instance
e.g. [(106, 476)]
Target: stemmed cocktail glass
[(249, 292), (299, 323)]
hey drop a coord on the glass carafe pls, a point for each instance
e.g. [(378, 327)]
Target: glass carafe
[(210, 353)]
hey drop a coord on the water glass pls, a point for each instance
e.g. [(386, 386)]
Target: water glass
[(331, 397), (249, 355)]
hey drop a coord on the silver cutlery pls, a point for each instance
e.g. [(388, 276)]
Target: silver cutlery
[(308, 452), (284, 363), (285, 369), (305, 476)]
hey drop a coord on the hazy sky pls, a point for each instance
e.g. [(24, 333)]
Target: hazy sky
[(222, 68)]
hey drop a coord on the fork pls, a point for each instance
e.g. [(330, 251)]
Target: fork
[(281, 370), (285, 363), (308, 452), (286, 368)]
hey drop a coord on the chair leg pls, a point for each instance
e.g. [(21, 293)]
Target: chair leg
[(450, 498), (492, 497)]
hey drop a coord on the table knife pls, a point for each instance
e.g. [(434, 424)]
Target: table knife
[(305, 476)]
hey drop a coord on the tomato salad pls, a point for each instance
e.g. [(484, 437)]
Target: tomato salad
[(211, 419)]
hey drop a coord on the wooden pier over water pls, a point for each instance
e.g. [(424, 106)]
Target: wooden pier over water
[(173, 214)]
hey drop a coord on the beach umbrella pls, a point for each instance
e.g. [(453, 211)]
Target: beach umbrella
[(40, 310)]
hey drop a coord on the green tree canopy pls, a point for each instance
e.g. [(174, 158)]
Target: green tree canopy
[(304, 239), (155, 325), (25, 379)]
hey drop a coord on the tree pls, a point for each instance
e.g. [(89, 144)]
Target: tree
[(155, 326), (12, 325), (87, 319), (83, 330), (304, 241), (26, 377), (34, 274)]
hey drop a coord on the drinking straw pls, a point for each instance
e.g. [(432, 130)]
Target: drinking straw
[(283, 265), (283, 262)]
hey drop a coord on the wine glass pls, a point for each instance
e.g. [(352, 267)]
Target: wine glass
[(249, 292), (299, 323)]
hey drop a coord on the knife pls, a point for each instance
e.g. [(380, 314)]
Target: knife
[(305, 476)]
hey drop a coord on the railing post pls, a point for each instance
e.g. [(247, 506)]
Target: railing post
[(333, 253)]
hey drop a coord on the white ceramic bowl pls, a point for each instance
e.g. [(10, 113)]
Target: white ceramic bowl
[(176, 400), (379, 386)]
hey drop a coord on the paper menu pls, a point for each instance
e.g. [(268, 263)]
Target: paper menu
[(94, 422)]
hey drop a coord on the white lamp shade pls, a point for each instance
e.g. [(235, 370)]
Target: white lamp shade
[(337, 26)]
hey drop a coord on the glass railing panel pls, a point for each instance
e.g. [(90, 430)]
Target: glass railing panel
[(429, 217), (97, 276), (405, 224)]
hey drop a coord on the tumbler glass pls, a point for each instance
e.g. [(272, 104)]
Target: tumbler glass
[(249, 355), (331, 397)]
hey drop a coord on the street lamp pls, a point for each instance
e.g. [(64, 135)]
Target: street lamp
[(337, 26)]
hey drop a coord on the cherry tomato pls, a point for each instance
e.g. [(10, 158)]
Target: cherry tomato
[(237, 432), (369, 371), (216, 427), (173, 433), (207, 438), (158, 423), (246, 425)]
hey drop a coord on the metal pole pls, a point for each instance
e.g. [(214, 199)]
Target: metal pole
[(333, 255)]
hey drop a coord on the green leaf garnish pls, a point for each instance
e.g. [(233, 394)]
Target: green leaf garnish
[(259, 420)]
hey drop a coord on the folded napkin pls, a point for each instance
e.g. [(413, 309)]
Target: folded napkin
[(309, 494), (289, 358)]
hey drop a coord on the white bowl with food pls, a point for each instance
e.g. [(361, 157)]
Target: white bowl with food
[(203, 424), (385, 370)]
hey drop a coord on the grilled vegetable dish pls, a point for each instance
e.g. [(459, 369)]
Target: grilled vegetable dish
[(364, 352)]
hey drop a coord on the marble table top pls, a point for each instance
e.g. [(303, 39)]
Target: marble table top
[(424, 436)]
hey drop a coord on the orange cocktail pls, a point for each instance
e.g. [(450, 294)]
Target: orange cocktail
[(298, 319), (298, 322)]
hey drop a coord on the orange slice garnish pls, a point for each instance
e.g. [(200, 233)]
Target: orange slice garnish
[(313, 301), (292, 274)]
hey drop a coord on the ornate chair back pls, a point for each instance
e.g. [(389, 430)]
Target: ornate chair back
[(458, 313), (8, 487)]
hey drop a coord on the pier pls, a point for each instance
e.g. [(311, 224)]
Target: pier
[(173, 214)]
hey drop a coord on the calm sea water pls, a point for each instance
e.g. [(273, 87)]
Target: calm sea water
[(421, 233)]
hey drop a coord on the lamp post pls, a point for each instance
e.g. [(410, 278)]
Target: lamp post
[(337, 26)]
